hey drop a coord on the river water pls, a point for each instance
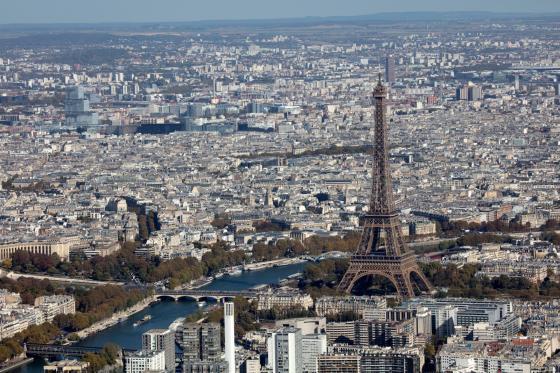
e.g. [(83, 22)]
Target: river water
[(165, 312)]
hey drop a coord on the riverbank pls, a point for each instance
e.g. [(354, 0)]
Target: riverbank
[(60, 279), (272, 263), (259, 266), (14, 364), (116, 318)]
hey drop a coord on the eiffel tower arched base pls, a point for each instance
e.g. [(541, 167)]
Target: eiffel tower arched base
[(397, 269)]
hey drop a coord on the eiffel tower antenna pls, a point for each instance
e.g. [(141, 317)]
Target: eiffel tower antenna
[(382, 250)]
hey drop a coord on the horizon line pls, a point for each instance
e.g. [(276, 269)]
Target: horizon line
[(293, 18)]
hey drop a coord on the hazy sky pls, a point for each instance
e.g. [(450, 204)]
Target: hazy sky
[(48, 11)]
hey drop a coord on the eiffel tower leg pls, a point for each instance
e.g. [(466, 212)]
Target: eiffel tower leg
[(404, 285), (348, 279), (354, 273), (424, 281)]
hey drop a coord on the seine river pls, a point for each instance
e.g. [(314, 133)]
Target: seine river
[(164, 313)]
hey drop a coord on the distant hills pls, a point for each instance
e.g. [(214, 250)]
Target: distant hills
[(428, 16)]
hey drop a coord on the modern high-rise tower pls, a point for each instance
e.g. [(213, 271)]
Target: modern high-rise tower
[(469, 92), (202, 348), (201, 342), (285, 351), (77, 110), (161, 340), (229, 342), (382, 250), (390, 69)]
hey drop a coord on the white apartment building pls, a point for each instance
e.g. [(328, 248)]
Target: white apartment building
[(285, 351), (284, 300), (312, 345), (518, 356), (161, 340), (55, 305), (142, 361)]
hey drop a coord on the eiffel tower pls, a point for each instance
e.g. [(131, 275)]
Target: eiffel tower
[(382, 250)]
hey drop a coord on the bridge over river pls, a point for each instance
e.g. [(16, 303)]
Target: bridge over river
[(46, 350), (57, 351), (200, 295)]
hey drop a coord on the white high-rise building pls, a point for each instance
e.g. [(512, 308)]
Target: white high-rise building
[(161, 340), (77, 110), (445, 320), (423, 321), (271, 363), (285, 351), (143, 361), (229, 332), (313, 345)]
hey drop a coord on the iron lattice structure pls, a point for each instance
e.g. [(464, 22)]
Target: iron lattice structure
[(382, 250)]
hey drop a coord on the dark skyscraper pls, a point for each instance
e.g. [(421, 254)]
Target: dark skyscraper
[(469, 92), (202, 348), (390, 69), (201, 341)]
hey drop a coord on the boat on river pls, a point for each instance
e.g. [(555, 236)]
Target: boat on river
[(235, 272), (143, 320)]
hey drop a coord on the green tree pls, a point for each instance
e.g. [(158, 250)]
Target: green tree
[(96, 362)]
